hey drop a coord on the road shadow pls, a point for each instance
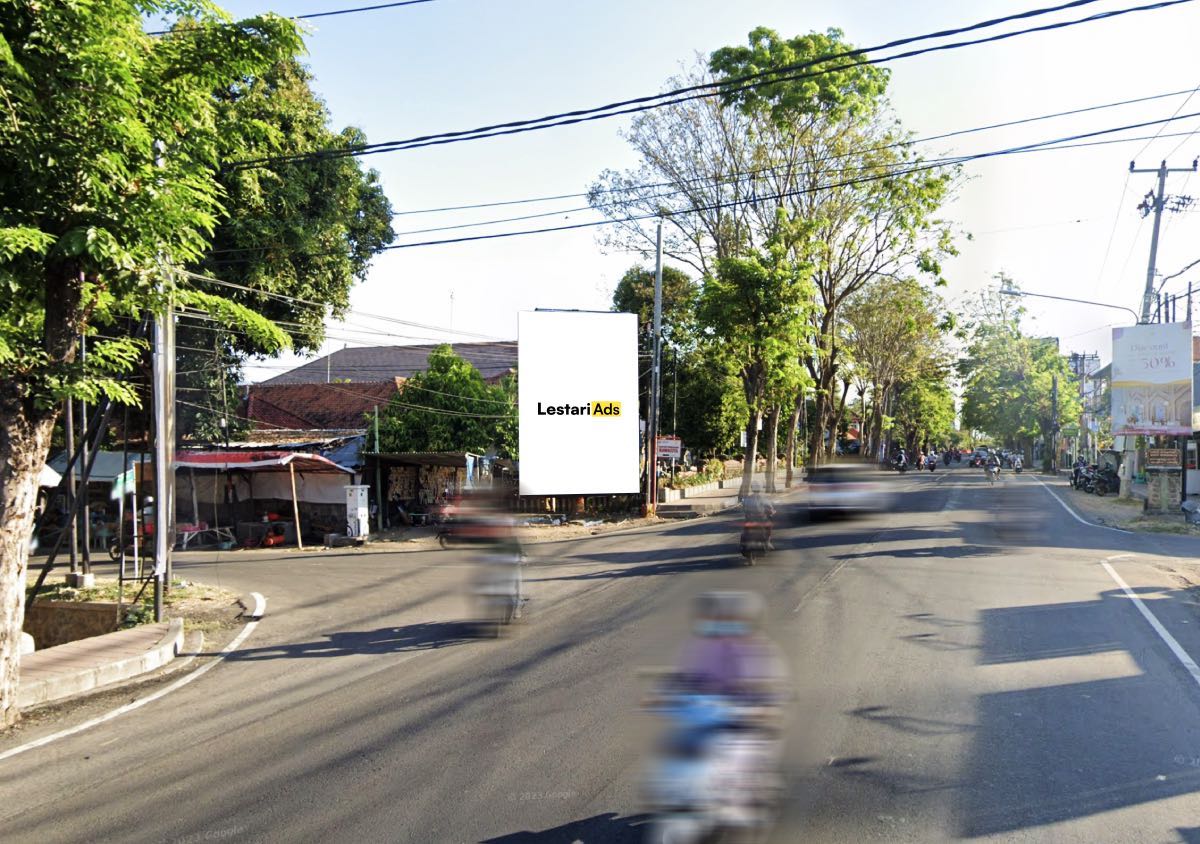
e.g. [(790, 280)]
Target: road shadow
[(1054, 747), (608, 827), (939, 552), (426, 635), (908, 723), (1190, 835), (862, 772), (685, 566)]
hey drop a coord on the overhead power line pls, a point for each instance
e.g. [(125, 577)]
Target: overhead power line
[(310, 16), (911, 142), (1058, 143), (723, 87)]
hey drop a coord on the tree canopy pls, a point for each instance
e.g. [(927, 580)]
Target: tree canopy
[(1009, 376), (109, 153), (449, 407)]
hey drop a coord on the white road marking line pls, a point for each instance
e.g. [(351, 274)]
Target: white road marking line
[(1071, 510), (1180, 653), (137, 704)]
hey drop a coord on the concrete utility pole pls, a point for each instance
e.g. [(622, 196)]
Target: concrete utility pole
[(164, 449), (1154, 203), (655, 382), (1054, 431)]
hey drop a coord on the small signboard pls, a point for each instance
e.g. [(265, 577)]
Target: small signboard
[(1167, 458), (670, 448)]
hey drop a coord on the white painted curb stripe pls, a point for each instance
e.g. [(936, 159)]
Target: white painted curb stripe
[(1180, 653), (137, 704), (1071, 510)]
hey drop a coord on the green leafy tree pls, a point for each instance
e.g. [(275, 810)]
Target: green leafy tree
[(1009, 377), (449, 407), (299, 232), (109, 148), (756, 308), (635, 294), (711, 408), (895, 328), (852, 230)]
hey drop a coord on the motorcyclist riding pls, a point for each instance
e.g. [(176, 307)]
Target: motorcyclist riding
[(728, 655), (992, 467), (717, 771), (758, 508)]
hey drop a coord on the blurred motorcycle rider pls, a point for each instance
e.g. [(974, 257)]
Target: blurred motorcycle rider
[(757, 508), (992, 464), (728, 654), (489, 530)]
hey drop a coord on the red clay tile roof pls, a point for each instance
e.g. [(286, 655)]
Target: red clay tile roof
[(378, 363), (316, 406)]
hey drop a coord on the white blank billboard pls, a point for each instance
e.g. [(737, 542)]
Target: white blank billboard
[(578, 400)]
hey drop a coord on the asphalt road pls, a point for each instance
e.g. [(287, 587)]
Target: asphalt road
[(965, 666)]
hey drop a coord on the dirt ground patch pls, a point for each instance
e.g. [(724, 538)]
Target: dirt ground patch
[(201, 606), (1128, 514)]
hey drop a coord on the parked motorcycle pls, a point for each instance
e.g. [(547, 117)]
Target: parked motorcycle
[(1084, 478), (1104, 481), (755, 540)]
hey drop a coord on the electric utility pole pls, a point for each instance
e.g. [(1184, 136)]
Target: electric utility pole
[(1155, 202), (655, 382)]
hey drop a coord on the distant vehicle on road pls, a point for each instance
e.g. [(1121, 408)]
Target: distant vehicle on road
[(842, 490)]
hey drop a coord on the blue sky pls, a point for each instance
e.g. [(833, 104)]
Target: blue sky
[(1044, 218)]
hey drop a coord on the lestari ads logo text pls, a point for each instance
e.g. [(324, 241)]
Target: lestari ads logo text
[(599, 409)]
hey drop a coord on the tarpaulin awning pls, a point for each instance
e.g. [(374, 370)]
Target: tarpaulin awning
[(49, 477), (106, 465), (257, 461)]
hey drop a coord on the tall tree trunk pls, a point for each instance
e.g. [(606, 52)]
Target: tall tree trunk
[(772, 426), (24, 441), (793, 423), (751, 456), (25, 430)]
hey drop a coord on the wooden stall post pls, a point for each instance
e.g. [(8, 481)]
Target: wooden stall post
[(295, 507)]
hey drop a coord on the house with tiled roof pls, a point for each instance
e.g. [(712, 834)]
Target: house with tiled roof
[(317, 406), (375, 364)]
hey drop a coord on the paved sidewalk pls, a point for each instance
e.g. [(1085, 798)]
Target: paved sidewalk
[(715, 500), (81, 666)]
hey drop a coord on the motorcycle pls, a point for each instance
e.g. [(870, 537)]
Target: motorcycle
[(497, 594), (716, 773), (1084, 478), (946, 458), (900, 466), (755, 540), (931, 463), (1104, 481)]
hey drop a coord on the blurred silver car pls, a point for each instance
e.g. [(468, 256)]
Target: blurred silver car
[(843, 490)]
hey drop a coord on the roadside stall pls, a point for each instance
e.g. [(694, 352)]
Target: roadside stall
[(258, 498)]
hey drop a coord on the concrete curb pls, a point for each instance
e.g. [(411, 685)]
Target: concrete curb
[(254, 606), (62, 686)]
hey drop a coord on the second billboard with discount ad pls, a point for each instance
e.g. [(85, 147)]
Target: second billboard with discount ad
[(578, 403)]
